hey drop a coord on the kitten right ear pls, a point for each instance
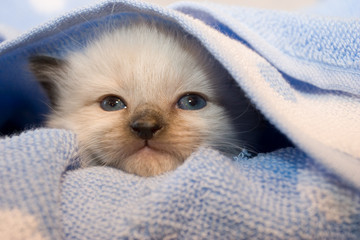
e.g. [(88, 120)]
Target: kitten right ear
[(48, 70)]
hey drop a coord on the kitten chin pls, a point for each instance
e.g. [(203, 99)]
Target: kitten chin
[(141, 98)]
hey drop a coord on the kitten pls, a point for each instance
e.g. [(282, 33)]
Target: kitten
[(142, 98)]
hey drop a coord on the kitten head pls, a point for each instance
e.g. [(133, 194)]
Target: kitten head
[(141, 98)]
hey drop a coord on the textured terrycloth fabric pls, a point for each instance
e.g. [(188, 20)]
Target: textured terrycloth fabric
[(31, 168), (301, 70)]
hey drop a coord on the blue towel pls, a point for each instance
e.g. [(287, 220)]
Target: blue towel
[(302, 71)]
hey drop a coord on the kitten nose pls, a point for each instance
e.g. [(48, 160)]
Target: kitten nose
[(145, 128)]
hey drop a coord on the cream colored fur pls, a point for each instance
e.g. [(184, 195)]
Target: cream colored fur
[(149, 68)]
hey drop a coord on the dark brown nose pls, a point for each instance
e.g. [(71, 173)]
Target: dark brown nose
[(145, 127)]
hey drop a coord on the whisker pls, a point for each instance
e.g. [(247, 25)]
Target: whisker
[(112, 9), (77, 43), (243, 112)]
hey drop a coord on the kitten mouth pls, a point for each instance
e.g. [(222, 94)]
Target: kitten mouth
[(147, 159), (148, 150), (148, 147)]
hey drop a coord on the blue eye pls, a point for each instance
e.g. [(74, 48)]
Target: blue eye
[(112, 103), (191, 102)]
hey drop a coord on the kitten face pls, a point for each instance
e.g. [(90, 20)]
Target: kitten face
[(140, 98)]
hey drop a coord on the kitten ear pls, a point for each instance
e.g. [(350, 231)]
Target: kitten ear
[(48, 71)]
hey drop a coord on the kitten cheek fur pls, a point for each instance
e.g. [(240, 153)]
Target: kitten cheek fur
[(112, 143), (105, 138)]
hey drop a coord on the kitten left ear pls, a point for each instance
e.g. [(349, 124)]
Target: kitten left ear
[(48, 71)]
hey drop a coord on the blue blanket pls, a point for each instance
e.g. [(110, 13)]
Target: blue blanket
[(302, 71)]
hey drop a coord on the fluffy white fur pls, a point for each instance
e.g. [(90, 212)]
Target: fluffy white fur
[(150, 67)]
